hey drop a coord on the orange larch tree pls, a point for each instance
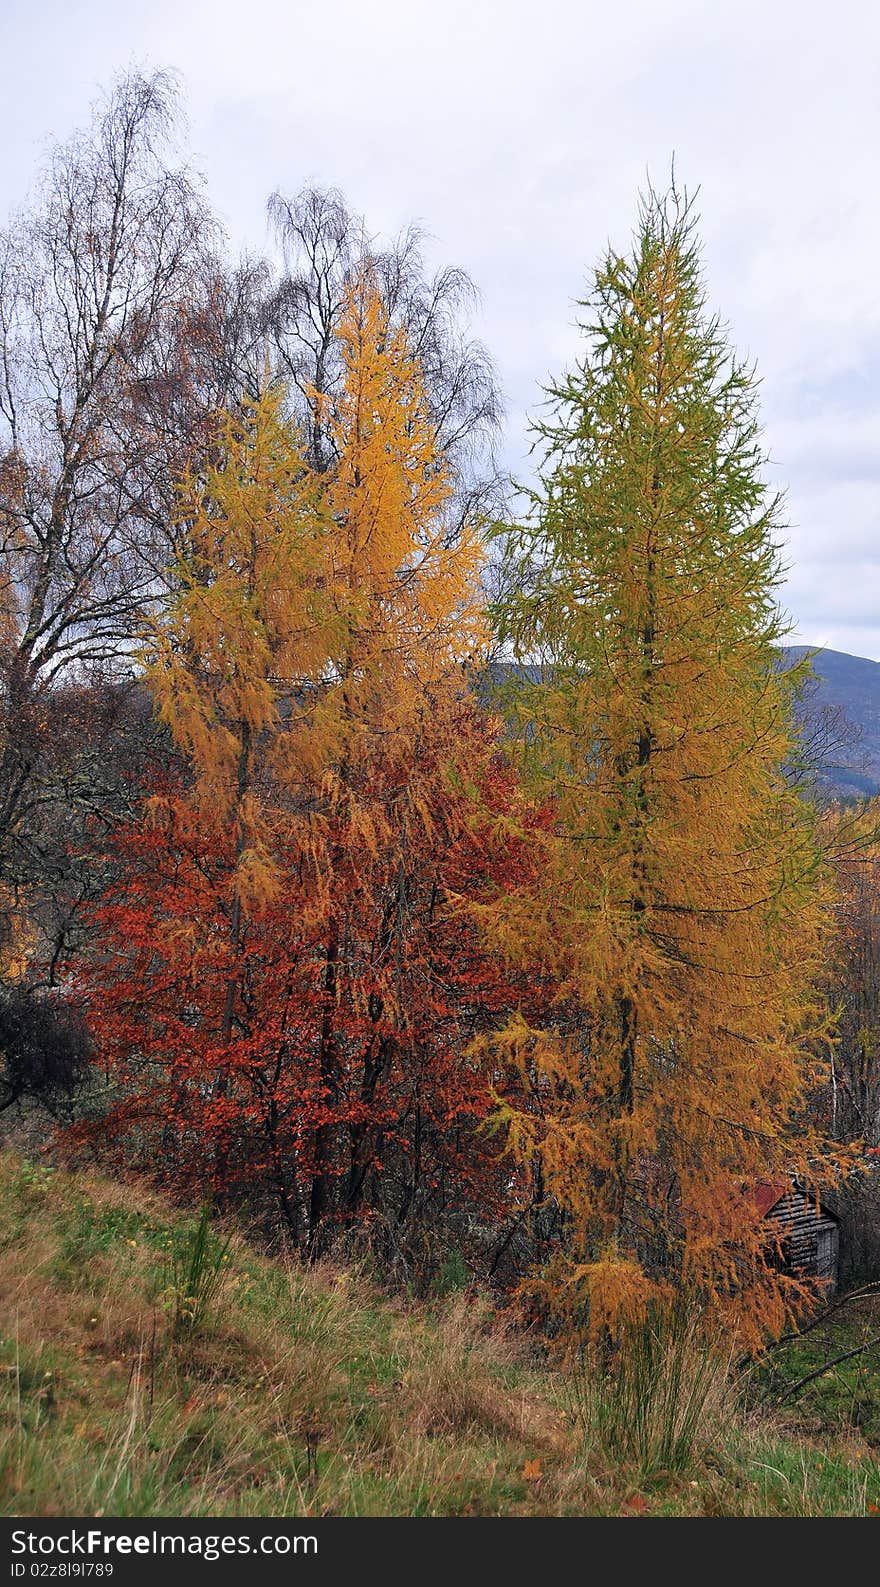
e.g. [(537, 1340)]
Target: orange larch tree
[(681, 899)]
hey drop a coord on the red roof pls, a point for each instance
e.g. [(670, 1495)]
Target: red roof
[(765, 1196)]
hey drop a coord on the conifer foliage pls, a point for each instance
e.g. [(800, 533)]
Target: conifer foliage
[(365, 956), (679, 901), (286, 993)]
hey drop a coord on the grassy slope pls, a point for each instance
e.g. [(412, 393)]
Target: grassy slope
[(310, 1393)]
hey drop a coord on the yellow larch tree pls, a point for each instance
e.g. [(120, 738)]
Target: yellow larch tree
[(245, 642), (406, 594), (314, 668)]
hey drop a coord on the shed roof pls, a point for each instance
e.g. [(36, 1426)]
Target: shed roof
[(765, 1195)]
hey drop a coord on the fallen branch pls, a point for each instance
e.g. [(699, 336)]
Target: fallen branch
[(826, 1367)]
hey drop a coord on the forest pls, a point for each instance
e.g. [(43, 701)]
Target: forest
[(419, 880)]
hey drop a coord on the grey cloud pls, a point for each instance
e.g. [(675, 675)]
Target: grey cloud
[(520, 135)]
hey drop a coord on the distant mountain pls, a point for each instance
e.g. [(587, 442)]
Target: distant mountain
[(841, 713)]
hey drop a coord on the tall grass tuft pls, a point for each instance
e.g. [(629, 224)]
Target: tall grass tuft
[(196, 1261), (653, 1401)]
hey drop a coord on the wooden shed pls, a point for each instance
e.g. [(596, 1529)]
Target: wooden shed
[(804, 1230)]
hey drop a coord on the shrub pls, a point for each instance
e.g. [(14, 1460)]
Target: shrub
[(45, 1050)]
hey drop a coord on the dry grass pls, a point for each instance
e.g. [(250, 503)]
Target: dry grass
[(305, 1390), (309, 1392)]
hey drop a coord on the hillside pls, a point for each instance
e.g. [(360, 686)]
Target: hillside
[(847, 688), (307, 1392)]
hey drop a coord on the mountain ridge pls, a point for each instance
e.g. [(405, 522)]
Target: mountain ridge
[(839, 712), (841, 706)]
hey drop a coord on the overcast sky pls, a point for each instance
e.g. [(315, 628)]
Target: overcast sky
[(519, 134)]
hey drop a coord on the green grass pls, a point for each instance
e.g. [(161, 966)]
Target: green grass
[(309, 1392), (844, 1401)]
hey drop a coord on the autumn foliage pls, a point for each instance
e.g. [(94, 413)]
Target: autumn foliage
[(529, 972), (287, 988)]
